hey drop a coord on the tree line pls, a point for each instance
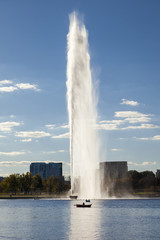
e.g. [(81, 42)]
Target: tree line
[(28, 184), (133, 182)]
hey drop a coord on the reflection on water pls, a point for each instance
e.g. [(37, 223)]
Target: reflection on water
[(117, 219), (85, 222), (60, 219)]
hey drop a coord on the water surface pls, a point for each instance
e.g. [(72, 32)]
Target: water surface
[(60, 219)]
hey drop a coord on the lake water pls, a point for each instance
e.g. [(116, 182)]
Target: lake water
[(116, 219)]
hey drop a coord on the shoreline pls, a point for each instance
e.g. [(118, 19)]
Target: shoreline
[(57, 196), (34, 196)]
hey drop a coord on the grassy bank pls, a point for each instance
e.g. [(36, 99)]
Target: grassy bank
[(147, 194), (45, 195), (32, 196)]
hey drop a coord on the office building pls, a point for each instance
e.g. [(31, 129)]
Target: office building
[(1, 179), (110, 172), (158, 173), (113, 170), (46, 170)]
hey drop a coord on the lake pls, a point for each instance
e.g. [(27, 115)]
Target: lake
[(116, 219)]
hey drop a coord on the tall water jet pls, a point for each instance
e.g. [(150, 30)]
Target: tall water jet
[(84, 143)]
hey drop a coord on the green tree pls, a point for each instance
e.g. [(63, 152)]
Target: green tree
[(4, 186), (61, 186), (13, 183), (158, 180), (51, 185), (133, 178), (37, 184), (147, 180), (25, 182)]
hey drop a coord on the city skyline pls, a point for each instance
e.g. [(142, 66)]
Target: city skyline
[(124, 49)]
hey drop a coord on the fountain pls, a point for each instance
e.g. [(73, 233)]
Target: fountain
[(84, 142)]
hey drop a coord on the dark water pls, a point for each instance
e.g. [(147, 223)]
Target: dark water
[(60, 219)]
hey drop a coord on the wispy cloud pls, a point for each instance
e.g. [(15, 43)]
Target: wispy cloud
[(64, 135), (65, 126), (142, 164), (8, 89), (64, 162), (26, 163), (12, 154), (7, 126), (138, 119), (109, 124), (115, 149), (54, 126), (49, 152), (154, 138), (2, 136), (55, 161), (5, 82), (15, 87), (106, 126), (130, 114), (50, 126), (61, 151), (4, 174), (14, 163), (25, 86), (142, 126), (53, 152), (12, 116), (32, 134), (141, 120), (129, 102), (26, 140)]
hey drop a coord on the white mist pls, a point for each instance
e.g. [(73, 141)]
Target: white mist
[(84, 142)]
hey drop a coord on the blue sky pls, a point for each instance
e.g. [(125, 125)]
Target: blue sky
[(124, 39)]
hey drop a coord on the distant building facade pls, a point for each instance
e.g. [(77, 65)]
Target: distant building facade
[(1, 179), (110, 172), (158, 173), (46, 170), (113, 170)]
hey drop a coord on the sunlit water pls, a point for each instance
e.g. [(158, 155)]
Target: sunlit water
[(60, 219)]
